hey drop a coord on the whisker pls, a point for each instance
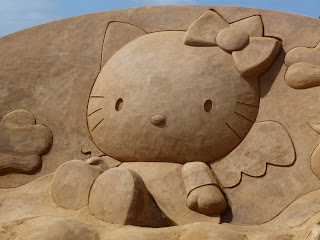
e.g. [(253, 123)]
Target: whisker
[(243, 117), (94, 112), (96, 96), (97, 124), (234, 131), (248, 104)]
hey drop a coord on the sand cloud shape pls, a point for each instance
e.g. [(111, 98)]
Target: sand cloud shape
[(22, 142), (303, 67)]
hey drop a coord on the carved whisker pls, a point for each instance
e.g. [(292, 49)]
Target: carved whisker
[(96, 96), (244, 117), (248, 104), (234, 131), (97, 124), (94, 112)]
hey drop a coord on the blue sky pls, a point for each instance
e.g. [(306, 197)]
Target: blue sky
[(16, 15)]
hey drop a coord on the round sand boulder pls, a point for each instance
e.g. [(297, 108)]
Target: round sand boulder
[(120, 196), (71, 184)]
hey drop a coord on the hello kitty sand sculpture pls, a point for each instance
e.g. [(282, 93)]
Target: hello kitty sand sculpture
[(171, 122), (169, 101)]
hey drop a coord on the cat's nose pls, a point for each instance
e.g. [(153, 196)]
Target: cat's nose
[(158, 120)]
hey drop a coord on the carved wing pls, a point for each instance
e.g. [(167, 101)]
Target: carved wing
[(266, 143)]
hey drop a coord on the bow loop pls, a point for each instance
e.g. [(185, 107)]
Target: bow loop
[(204, 30)]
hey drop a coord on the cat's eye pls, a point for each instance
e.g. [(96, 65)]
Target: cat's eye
[(119, 104), (207, 105)]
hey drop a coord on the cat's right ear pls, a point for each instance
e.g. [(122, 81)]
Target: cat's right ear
[(117, 35)]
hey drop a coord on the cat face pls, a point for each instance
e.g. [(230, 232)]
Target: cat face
[(158, 99), (161, 100)]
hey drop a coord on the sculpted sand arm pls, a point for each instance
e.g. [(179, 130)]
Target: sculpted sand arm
[(202, 189)]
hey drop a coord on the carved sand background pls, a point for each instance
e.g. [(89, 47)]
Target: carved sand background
[(50, 69)]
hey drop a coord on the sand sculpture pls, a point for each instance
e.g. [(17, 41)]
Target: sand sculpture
[(175, 122)]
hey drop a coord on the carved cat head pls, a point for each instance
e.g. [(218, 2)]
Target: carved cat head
[(176, 96)]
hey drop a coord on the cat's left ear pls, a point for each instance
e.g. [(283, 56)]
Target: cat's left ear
[(252, 53), (117, 35)]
